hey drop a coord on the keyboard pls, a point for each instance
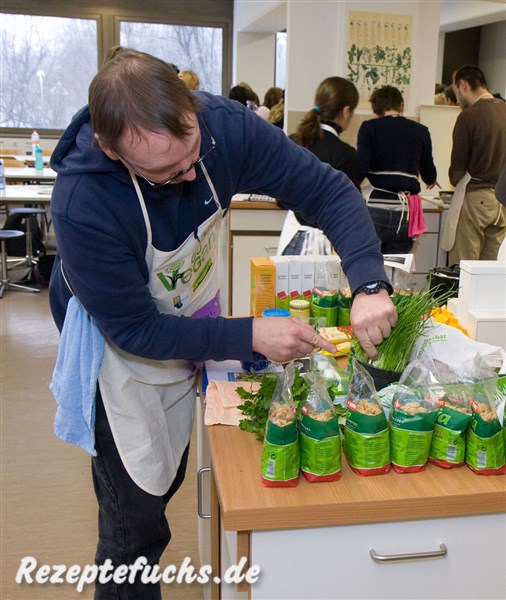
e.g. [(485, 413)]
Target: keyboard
[(254, 198)]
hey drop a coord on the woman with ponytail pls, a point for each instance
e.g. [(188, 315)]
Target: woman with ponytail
[(335, 102)]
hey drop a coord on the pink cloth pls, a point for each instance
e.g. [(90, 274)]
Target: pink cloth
[(416, 224), (222, 401)]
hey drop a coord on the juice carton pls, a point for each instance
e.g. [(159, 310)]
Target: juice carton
[(262, 286), (295, 278), (307, 276), (282, 296)]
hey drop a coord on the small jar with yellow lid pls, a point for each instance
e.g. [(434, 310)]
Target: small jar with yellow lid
[(300, 309)]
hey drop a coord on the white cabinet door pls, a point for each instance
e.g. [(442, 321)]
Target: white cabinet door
[(426, 252), (243, 248), (334, 562)]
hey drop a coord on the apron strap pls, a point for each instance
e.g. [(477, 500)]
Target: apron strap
[(143, 207)]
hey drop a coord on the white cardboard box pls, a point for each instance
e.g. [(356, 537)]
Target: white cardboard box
[(487, 326), (482, 286)]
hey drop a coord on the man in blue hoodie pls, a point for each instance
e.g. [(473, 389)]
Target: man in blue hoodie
[(146, 173)]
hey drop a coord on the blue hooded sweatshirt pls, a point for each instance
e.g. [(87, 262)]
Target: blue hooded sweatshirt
[(101, 235)]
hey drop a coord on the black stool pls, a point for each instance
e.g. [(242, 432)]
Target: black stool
[(27, 212), (5, 283)]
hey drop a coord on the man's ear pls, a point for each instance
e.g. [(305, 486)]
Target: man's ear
[(105, 149)]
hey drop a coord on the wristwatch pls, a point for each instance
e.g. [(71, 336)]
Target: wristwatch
[(373, 288)]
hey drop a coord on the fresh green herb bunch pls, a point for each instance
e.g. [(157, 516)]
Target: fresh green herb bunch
[(413, 320), (257, 404)]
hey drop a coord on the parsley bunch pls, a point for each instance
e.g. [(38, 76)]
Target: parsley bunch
[(257, 404)]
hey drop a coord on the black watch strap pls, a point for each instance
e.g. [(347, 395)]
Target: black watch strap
[(373, 287)]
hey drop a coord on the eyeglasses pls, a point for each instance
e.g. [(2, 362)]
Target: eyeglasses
[(179, 174)]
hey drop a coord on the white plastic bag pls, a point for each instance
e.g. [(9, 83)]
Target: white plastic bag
[(449, 346)]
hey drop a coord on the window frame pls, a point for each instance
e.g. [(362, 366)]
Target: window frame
[(108, 18)]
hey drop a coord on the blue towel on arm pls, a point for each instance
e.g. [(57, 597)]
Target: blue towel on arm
[(74, 382)]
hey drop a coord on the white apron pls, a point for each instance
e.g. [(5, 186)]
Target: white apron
[(150, 403), (316, 241), (452, 217)]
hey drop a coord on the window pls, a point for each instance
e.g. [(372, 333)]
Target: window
[(46, 68), (198, 49), (280, 62), (52, 49)]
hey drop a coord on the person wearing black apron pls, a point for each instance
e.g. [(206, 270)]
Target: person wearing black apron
[(394, 152)]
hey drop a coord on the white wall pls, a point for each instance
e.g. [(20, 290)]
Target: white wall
[(317, 44), (255, 55), (314, 32), (255, 25), (440, 120)]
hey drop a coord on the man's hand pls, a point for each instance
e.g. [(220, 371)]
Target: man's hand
[(282, 339), (372, 318)]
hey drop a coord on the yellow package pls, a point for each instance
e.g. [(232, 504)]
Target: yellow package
[(263, 285), (339, 336)]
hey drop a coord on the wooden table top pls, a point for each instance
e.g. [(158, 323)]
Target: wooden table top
[(247, 505)]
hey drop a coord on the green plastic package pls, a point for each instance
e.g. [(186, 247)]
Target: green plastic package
[(324, 297), (448, 446), (366, 435), (320, 442), (279, 462), (485, 440), (412, 418)]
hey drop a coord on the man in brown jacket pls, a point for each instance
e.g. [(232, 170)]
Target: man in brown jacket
[(479, 149)]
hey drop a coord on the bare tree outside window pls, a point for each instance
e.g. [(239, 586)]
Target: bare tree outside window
[(198, 49), (47, 64)]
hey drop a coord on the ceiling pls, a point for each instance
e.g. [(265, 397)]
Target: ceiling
[(462, 14), (454, 15)]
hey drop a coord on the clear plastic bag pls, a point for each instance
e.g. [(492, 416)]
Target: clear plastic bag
[(413, 417), (366, 436), (320, 442), (280, 460)]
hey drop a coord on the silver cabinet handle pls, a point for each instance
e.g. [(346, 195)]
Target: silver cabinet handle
[(267, 248), (200, 473), (443, 551)]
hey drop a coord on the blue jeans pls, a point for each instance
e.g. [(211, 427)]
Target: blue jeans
[(131, 522), (386, 223)]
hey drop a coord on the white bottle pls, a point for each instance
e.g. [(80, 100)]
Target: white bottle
[(35, 141), (2, 176)]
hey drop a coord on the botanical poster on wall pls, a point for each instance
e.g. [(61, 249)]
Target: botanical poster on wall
[(379, 52)]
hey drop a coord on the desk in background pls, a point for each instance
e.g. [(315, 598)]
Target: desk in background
[(29, 195), (19, 195), (25, 175), (28, 159)]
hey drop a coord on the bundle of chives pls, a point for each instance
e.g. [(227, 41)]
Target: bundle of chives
[(413, 319)]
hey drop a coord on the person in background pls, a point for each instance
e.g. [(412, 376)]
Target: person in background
[(277, 114), (476, 221), (335, 102), (393, 152), (247, 86), (243, 95), (272, 96), (449, 96), (137, 205), (190, 78), (439, 94)]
